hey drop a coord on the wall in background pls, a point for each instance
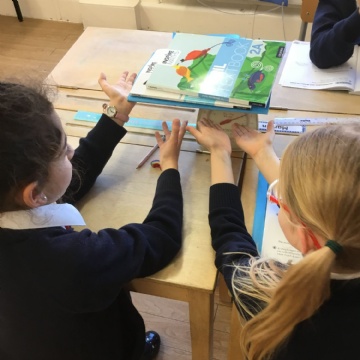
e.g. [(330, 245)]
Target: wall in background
[(59, 10), (252, 2), (243, 17), (267, 22)]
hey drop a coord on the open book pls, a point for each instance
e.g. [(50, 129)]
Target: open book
[(300, 72), (240, 71), (267, 233)]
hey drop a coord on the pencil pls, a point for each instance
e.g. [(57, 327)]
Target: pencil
[(148, 156)]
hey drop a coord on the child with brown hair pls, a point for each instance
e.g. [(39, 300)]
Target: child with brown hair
[(62, 292)]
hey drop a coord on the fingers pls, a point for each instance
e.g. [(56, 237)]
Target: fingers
[(183, 129), (102, 76), (203, 125), (126, 78), (206, 122), (159, 138), (131, 78), (102, 80), (270, 126), (176, 134), (124, 75), (166, 130), (237, 128), (194, 132), (175, 128), (240, 130)]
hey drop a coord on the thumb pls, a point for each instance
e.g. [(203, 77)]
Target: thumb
[(193, 131), (102, 79), (270, 126)]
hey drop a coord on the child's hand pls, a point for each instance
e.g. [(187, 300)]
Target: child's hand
[(211, 135), (118, 93), (170, 147), (252, 141)]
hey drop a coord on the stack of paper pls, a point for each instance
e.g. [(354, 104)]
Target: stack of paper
[(300, 72)]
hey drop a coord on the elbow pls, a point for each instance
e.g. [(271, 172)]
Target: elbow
[(324, 59), (321, 61)]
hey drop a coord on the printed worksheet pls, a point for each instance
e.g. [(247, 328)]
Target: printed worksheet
[(274, 244), (300, 72)]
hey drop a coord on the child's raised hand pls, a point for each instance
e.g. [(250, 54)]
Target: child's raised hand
[(170, 146), (211, 135), (252, 141), (119, 92)]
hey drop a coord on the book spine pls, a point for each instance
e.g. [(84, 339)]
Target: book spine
[(213, 97), (259, 104), (235, 103), (220, 78)]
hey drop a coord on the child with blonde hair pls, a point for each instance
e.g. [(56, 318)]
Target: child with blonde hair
[(309, 310)]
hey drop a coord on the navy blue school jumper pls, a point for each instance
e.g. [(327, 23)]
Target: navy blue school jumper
[(333, 332), (61, 291), (335, 31)]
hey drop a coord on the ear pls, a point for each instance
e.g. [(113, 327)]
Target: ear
[(306, 243), (32, 197)]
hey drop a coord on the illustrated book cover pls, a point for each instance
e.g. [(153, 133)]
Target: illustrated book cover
[(140, 89), (300, 72), (240, 71)]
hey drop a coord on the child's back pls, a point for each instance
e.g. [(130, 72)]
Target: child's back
[(309, 310), (61, 291)]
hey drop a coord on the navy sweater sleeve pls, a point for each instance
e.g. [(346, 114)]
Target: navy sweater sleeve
[(91, 156), (335, 31), (85, 271), (230, 239)]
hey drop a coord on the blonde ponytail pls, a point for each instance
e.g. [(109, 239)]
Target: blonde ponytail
[(304, 287), (319, 183)]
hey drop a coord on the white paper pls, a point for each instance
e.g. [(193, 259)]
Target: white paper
[(300, 72), (274, 245), (357, 76)]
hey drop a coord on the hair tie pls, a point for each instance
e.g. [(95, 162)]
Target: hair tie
[(334, 246)]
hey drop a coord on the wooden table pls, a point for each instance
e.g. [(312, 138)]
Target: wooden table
[(124, 195), (192, 276), (115, 50)]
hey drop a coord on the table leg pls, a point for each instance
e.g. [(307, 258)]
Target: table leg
[(224, 294), (242, 172), (234, 352), (201, 310), (18, 10)]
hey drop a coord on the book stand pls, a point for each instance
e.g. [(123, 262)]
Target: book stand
[(226, 118)]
